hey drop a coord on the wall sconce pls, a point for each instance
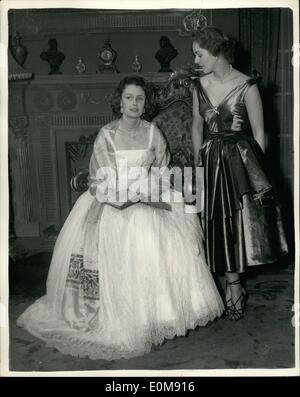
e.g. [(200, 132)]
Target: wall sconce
[(194, 21)]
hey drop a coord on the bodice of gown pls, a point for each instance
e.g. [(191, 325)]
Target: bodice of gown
[(141, 169), (132, 160), (234, 159), (135, 163), (135, 166), (230, 115)]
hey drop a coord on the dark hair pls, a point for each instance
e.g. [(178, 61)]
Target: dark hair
[(130, 80), (216, 42)]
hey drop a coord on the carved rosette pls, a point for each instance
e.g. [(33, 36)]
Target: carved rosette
[(66, 100), (43, 100)]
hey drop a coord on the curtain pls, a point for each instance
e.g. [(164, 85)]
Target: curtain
[(266, 37), (259, 34)]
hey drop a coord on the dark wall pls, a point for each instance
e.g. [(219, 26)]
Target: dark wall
[(127, 44)]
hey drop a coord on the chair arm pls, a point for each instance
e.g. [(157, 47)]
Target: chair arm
[(79, 182)]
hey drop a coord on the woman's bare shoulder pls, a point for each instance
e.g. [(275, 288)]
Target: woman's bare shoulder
[(204, 80), (239, 76)]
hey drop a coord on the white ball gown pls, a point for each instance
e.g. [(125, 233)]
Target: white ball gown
[(123, 280)]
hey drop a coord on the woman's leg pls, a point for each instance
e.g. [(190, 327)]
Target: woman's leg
[(236, 296)]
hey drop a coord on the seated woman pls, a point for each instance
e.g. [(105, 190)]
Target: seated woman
[(124, 277)]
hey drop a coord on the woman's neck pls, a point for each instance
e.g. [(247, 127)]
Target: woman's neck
[(222, 71), (130, 124)]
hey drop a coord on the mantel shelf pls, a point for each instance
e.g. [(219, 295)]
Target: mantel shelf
[(99, 78)]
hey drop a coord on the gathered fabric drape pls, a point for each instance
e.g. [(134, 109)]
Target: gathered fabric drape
[(266, 37), (259, 33)]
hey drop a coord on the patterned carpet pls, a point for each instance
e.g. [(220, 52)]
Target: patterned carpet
[(263, 339)]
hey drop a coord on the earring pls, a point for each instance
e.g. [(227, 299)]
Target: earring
[(121, 109)]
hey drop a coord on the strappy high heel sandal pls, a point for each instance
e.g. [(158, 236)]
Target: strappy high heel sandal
[(234, 313), (228, 302)]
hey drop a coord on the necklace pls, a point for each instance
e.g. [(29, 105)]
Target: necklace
[(133, 132), (222, 79)]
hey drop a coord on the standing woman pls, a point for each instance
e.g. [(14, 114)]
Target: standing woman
[(242, 220)]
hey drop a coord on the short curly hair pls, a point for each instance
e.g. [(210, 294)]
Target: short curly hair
[(131, 80), (216, 42)]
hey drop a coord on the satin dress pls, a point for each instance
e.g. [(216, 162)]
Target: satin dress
[(243, 225)]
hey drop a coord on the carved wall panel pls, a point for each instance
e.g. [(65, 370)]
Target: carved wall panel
[(22, 183), (21, 167)]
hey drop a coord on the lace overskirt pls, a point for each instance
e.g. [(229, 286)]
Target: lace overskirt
[(123, 280)]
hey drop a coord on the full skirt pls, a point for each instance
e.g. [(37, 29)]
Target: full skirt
[(123, 280), (243, 222)]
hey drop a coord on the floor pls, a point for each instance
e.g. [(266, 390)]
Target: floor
[(263, 339)]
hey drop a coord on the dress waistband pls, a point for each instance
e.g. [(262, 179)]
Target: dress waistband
[(222, 134)]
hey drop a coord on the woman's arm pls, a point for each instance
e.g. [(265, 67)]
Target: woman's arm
[(96, 161), (102, 165), (197, 128), (255, 114)]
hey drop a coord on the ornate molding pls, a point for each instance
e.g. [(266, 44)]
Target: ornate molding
[(48, 177), (15, 97), (80, 120), (87, 98), (18, 122), (18, 125), (43, 100), (35, 23), (22, 185), (92, 80), (43, 121), (66, 100)]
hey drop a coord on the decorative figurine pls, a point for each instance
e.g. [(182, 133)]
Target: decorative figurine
[(137, 65), (54, 57), (80, 67), (108, 58), (18, 51), (165, 54)]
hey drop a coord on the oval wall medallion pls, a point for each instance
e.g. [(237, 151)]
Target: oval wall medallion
[(43, 100), (66, 100)]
